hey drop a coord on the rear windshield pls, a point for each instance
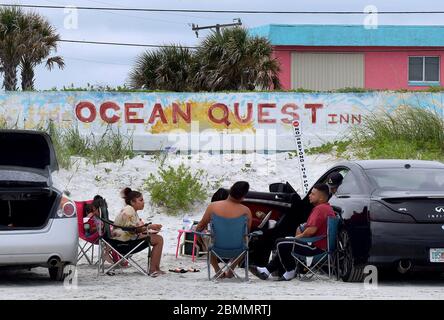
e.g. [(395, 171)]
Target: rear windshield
[(24, 149), (413, 179)]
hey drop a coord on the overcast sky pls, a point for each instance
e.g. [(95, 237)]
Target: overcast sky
[(110, 65)]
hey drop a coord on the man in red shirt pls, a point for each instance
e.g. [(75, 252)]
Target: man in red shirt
[(315, 226)]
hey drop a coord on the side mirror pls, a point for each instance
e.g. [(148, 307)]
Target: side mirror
[(277, 187), (281, 187)]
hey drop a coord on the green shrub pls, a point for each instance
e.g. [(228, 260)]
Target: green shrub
[(177, 189), (3, 124), (408, 132), (62, 152), (109, 147), (352, 90), (160, 156), (75, 143), (340, 146)]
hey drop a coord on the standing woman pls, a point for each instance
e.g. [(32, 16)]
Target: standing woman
[(128, 217)]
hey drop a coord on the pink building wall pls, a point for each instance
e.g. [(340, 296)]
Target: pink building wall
[(384, 67)]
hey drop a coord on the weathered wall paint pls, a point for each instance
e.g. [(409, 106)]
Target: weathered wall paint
[(208, 121)]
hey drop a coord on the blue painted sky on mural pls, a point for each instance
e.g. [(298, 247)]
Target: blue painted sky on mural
[(109, 65)]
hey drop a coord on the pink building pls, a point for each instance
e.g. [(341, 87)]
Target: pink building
[(328, 57)]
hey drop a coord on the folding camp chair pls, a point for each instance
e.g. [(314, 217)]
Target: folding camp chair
[(86, 249), (122, 250), (229, 243), (314, 264)]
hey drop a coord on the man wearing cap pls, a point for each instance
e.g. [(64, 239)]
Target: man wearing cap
[(334, 180)]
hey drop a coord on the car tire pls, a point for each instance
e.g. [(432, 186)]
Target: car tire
[(57, 273), (349, 270)]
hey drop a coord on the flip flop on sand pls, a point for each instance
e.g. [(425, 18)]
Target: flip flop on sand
[(193, 270), (178, 270)]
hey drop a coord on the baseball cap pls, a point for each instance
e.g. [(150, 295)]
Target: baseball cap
[(334, 179)]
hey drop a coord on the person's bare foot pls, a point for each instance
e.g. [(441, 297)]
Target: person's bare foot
[(156, 273)]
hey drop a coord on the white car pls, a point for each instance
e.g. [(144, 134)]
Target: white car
[(38, 224)]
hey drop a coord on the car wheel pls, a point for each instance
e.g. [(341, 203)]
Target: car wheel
[(349, 271), (57, 273)]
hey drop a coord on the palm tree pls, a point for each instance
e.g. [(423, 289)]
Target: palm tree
[(12, 46), (40, 41), (26, 39), (263, 71), (168, 68), (234, 60), (143, 75)]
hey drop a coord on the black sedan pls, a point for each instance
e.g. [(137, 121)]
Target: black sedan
[(392, 216)]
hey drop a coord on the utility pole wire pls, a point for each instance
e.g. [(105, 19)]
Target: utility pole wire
[(215, 11), (124, 44)]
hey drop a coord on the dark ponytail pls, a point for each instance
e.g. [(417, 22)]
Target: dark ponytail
[(129, 195)]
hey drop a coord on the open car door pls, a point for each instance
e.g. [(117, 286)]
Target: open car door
[(286, 206)]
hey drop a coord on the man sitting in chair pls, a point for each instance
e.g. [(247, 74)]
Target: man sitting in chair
[(315, 226), (229, 208)]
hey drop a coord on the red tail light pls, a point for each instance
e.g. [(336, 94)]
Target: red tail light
[(67, 208)]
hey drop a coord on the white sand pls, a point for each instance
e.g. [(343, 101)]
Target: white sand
[(85, 180)]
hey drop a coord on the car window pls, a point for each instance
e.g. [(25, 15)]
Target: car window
[(349, 185), (417, 179), (342, 171)]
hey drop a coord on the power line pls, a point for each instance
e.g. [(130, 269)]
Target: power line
[(166, 14), (215, 11), (276, 47), (97, 61), (123, 44)]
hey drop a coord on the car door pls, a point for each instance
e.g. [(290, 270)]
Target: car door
[(352, 200), (282, 201)]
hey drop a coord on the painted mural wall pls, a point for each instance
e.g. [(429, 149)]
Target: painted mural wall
[(208, 121)]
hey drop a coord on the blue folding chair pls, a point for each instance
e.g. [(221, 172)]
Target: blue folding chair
[(229, 243), (327, 257)]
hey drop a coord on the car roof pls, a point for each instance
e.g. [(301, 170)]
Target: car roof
[(398, 163)]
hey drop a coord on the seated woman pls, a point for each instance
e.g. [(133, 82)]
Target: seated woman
[(230, 207), (219, 195), (128, 217)]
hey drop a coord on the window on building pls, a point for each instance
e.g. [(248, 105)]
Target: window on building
[(424, 69)]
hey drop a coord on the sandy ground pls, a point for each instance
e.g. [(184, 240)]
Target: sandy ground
[(128, 284), (85, 180)]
